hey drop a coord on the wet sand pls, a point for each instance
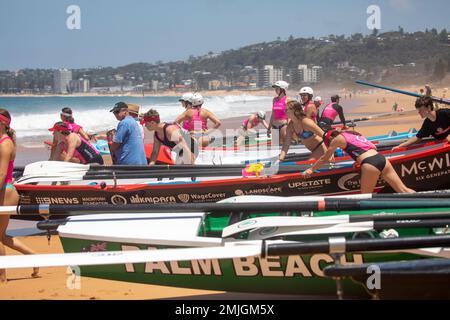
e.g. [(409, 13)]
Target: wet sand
[(52, 284)]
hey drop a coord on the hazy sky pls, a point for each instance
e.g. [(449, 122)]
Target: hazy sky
[(33, 33)]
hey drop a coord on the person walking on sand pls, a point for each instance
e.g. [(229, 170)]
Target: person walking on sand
[(436, 123), (8, 193), (373, 165), (279, 119), (126, 145), (305, 128), (247, 127), (197, 120)]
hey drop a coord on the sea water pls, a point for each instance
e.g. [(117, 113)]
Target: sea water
[(32, 116)]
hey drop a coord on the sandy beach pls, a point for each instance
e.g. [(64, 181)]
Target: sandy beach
[(52, 284)]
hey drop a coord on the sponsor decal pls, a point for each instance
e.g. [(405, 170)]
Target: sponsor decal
[(118, 200), (184, 197), (292, 266), (208, 196), (260, 191), (349, 182), (311, 184), (246, 223), (267, 231), (138, 199), (57, 200), (426, 169), (94, 200), (95, 247)]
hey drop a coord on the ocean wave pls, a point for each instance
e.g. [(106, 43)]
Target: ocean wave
[(96, 117)]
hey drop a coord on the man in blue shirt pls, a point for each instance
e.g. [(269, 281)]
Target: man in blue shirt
[(127, 144)]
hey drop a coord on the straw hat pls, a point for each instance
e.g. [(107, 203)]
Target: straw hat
[(134, 108)]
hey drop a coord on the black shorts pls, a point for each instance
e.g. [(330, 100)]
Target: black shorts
[(280, 126), (325, 125), (378, 161)]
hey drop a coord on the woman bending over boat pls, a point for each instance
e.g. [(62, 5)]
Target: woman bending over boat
[(279, 119), (436, 124), (172, 136), (365, 154), (8, 193), (195, 120), (71, 147), (305, 128), (247, 127)]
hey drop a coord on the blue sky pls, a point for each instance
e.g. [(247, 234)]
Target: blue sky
[(33, 33)]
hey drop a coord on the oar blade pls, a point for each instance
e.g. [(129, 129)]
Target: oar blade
[(124, 257)]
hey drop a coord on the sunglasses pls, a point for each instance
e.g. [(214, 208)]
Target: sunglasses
[(118, 111)]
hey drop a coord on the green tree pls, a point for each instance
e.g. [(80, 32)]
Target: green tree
[(375, 32), (439, 70), (401, 30), (443, 36)]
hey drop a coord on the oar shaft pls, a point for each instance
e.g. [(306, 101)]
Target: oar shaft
[(408, 93), (406, 224), (341, 245), (267, 207)]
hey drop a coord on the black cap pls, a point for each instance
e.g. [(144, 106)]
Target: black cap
[(119, 106)]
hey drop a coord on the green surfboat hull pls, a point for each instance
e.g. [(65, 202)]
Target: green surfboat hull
[(298, 275)]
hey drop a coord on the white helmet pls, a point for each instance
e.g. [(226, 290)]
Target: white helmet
[(281, 84), (318, 99), (261, 115), (307, 90), (196, 100), (186, 96)]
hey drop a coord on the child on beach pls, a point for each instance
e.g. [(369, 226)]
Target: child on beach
[(8, 193)]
